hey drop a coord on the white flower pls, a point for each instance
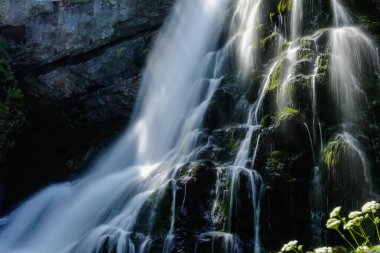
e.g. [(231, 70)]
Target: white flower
[(333, 223), (324, 250), (290, 246), (349, 225), (370, 207), (334, 213), (362, 249), (358, 220), (354, 214)]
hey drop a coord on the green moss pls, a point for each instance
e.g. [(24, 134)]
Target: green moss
[(277, 159), (334, 151), (264, 42), (266, 120), (285, 114), (289, 111), (15, 94), (278, 154), (260, 27), (275, 78), (9, 92), (3, 110), (323, 65), (284, 6), (233, 139), (271, 15)]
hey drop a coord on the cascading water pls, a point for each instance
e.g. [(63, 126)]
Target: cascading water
[(136, 196), (353, 56), (70, 216)]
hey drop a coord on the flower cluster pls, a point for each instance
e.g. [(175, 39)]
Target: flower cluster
[(354, 214), (354, 233), (354, 222), (333, 223), (370, 207), (335, 213), (362, 249), (323, 250), (291, 246)]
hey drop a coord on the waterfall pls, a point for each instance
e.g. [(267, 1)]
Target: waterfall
[(353, 56), (70, 217), (136, 195)]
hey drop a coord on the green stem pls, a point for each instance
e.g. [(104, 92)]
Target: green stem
[(365, 235), (359, 234), (377, 229), (353, 237), (344, 237)]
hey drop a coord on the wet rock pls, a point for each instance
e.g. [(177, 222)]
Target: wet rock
[(78, 64), (345, 167), (220, 109)]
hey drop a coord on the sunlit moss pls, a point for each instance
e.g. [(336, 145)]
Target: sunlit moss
[(284, 6), (264, 42), (275, 78), (334, 151)]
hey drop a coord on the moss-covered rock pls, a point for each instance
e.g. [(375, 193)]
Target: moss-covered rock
[(277, 75), (345, 167), (284, 6), (12, 118)]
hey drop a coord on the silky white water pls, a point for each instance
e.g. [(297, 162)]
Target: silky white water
[(183, 71), (202, 42), (353, 56), (76, 216)]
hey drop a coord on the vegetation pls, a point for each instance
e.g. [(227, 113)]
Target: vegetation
[(284, 6), (334, 151), (9, 92), (276, 76), (264, 42), (351, 229)]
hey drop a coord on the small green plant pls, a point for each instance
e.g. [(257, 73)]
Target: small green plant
[(350, 228), (15, 94), (358, 239)]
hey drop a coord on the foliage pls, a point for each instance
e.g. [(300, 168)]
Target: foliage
[(358, 239), (266, 120), (284, 6), (276, 75), (350, 228), (334, 151), (264, 42), (9, 92)]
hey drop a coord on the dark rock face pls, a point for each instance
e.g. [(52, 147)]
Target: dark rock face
[(78, 64)]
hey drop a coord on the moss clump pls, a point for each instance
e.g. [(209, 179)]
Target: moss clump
[(277, 159), (288, 112), (271, 15), (334, 151), (266, 120), (233, 140), (323, 65), (284, 6), (15, 94), (9, 93), (264, 42), (276, 76)]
